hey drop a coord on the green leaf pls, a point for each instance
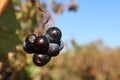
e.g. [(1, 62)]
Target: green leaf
[(8, 26), (16, 1)]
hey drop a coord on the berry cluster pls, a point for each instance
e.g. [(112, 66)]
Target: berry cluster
[(44, 46)]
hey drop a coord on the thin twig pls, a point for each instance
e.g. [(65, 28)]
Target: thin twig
[(47, 16)]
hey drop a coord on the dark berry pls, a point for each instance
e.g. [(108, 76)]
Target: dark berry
[(61, 45), (41, 44), (41, 59), (28, 48), (53, 50), (53, 34), (28, 44), (30, 39)]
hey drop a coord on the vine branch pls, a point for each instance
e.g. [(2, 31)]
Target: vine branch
[(47, 16)]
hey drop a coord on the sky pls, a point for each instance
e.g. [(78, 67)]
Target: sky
[(95, 19)]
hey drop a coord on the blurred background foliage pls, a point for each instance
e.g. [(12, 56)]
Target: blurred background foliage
[(94, 61)]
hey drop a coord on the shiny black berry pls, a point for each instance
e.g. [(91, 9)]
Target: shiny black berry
[(41, 59), (28, 44), (30, 39), (53, 34), (28, 48), (41, 44), (61, 45), (53, 49)]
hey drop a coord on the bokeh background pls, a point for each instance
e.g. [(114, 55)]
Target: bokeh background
[(90, 33)]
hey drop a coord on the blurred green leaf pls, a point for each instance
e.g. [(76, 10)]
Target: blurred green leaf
[(8, 26), (16, 1)]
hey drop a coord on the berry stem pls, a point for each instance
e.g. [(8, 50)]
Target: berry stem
[(47, 16)]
